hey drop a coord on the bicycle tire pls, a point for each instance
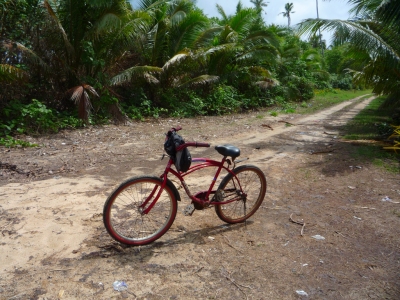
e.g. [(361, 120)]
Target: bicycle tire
[(254, 185), (126, 224)]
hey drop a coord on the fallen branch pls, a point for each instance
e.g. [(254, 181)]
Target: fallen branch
[(229, 244), (339, 233), (238, 285), (322, 151), (302, 229), (291, 124), (303, 224), (266, 125), (198, 270)]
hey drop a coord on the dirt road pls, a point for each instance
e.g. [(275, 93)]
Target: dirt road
[(53, 244)]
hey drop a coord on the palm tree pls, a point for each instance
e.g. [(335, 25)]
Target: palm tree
[(319, 31), (288, 11), (238, 48), (259, 4), (83, 41), (374, 41), (171, 51)]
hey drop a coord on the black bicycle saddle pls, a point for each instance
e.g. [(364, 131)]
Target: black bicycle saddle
[(228, 150)]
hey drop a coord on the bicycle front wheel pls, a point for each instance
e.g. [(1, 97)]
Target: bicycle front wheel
[(123, 217), (246, 192)]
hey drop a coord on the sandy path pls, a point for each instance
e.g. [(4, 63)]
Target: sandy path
[(48, 221)]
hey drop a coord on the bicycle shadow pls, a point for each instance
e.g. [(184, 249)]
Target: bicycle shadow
[(168, 243), (200, 236)]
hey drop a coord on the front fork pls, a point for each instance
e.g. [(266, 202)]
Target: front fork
[(157, 190)]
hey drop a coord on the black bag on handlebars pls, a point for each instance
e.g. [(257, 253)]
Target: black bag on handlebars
[(182, 159)]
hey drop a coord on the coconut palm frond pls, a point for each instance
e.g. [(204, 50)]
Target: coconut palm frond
[(232, 37), (206, 36), (27, 53), (362, 7), (90, 89), (108, 22), (160, 33), (361, 36), (10, 73), (178, 58), (150, 79), (55, 18), (221, 48), (222, 13), (259, 53), (80, 95), (239, 6), (266, 83), (243, 21), (76, 93), (200, 80), (263, 36), (260, 71), (179, 6), (184, 34), (177, 18), (148, 5), (389, 12), (129, 74)]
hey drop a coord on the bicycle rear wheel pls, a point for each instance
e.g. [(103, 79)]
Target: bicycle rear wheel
[(245, 201), (122, 215)]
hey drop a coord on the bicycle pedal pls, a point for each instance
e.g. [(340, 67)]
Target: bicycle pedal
[(188, 211)]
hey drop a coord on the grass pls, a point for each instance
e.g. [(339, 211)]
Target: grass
[(370, 124), (378, 157), (9, 142), (324, 99)]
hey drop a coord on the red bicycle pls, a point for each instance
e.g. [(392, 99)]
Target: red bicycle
[(143, 208)]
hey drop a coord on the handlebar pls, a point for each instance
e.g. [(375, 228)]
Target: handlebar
[(177, 128), (192, 144), (188, 144)]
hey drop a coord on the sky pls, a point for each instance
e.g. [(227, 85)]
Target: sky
[(303, 9)]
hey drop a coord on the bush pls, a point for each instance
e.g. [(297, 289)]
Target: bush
[(34, 117), (223, 99), (343, 82)]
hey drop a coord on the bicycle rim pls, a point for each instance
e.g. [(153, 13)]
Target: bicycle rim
[(244, 205), (122, 214)]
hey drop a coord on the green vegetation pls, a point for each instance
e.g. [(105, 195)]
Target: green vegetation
[(370, 40), (373, 122), (75, 63), (373, 153), (327, 98), (370, 124)]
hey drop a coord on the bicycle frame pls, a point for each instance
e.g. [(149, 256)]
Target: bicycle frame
[(203, 197)]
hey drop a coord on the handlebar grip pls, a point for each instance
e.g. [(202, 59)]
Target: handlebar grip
[(192, 144), (177, 128), (202, 145)]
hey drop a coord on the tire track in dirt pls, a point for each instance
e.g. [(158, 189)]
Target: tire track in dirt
[(63, 251)]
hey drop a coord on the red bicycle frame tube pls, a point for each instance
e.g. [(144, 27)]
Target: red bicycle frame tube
[(205, 163)]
